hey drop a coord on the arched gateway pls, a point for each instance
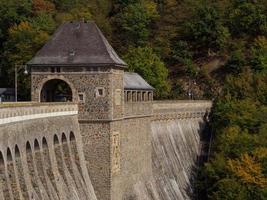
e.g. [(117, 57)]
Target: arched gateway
[(56, 90)]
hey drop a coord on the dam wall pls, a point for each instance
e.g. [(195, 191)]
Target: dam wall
[(41, 155), (149, 154), (176, 129)]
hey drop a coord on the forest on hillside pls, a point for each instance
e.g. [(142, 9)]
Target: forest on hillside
[(186, 49)]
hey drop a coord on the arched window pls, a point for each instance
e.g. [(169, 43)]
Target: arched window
[(44, 143), (72, 136), (56, 141), (9, 155), (64, 138), (28, 147), (1, 158), (56, 90), (17, 153), (36, 145)]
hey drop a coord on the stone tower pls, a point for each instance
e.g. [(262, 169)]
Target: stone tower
[(115, 108)]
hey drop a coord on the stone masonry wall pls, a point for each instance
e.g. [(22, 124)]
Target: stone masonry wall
[(94, 107), (134, 155), (96, 142)]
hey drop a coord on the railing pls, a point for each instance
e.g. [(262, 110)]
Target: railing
[(15, 112)]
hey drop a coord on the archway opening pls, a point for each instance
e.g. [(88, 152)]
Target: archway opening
[(56, 90)]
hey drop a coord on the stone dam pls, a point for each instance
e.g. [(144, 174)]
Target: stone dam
[(93, 131), (42, 153)]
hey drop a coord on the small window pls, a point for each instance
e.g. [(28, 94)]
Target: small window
[(58, 69), (99, 92), (81, 97), (53, 69)]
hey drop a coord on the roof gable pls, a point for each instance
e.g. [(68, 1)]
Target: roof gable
[(77, 43)]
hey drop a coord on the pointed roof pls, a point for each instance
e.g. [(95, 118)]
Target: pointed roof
[(133, 81), (77, 43)]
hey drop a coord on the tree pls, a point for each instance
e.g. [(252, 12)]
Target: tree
[(259, 54), (134, 20), (145, 62), (206, 28), (23, 43), (40, 6), (247, 18), (236, 62)]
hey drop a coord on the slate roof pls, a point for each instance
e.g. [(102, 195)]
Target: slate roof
[(133, 81), (77, 43)]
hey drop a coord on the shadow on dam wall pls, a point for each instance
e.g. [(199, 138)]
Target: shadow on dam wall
[(176, 150)]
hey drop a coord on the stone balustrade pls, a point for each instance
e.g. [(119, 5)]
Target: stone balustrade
[(135, 109), (22, 111), (165, 110)]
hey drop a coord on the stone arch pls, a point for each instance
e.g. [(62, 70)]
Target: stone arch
[(45, 80), (28, 147), (17, 151), (44, 143), (72, 136), (36, 145), (63, 138), (9, 154), (56, 140), (2, 162), (56, 90)]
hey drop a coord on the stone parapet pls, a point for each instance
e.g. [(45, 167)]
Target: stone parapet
[(22, 111), (165, 110), (138, 109)]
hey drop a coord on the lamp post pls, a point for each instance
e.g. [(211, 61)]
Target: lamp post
[(16, 78)]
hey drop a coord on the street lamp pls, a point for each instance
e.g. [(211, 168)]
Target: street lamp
[(16, 78)]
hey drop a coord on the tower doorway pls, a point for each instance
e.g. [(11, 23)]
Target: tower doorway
[(56, 90)]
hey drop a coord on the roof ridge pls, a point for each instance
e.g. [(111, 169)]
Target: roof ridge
[(92, 48), (113, 55)]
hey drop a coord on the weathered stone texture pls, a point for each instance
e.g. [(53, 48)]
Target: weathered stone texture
[(93, 107), (96, 143)]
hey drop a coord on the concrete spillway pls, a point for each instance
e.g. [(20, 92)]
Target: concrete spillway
[(176, 145)]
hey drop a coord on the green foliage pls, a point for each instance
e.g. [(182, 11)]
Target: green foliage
[(247, 17), (239, 121), (12, 11), (206, 28), (259, 54), (180, 52), (236, 62), (134, 21), (145, 62), (229, 189)]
